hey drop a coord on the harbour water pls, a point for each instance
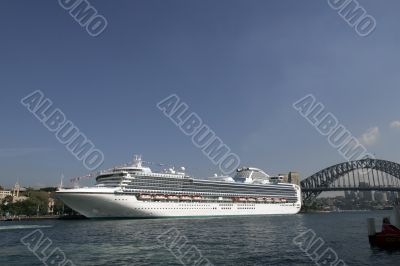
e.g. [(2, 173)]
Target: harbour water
[(262, 240)]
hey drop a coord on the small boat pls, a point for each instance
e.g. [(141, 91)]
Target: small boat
[(159, 197), (186, 198), (277, 200), (283, 200), (173, 197), (251, 199), (145, 196), (389, 237), (197, 198), (269, 200), (260, 199), (241, 199)]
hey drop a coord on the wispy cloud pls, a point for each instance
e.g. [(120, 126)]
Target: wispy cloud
[(370, 136), (395, 124), (16, 152)]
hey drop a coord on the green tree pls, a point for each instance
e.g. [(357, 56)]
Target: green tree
[(5, 205)]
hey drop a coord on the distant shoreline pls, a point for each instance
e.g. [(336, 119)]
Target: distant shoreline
[(41, 218)]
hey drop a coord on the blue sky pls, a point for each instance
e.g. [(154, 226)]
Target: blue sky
[(239, 65)]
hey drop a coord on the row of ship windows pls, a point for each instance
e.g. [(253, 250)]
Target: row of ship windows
[(239, 206), (206, 200), (185, 183), (214, 192), (194, 189), (189, 205), (180, 208), (198, 208), (208, 205), (144, 177), (163, 184), (198, 204), (190, 182), (209, 192), (207, 186), (212, 188), (153, 175), (233, 186), (127, 192), (222, 194)]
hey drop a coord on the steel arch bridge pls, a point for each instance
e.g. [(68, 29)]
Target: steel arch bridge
[(361, 175)]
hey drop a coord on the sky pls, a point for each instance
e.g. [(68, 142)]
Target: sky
[(239, 65)]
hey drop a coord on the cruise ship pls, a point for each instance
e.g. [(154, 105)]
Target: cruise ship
[(135, 191)]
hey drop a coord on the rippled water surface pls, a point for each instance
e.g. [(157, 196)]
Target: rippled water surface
[(262, 240)]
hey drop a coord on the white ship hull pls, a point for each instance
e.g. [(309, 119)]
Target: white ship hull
[(110, 205)]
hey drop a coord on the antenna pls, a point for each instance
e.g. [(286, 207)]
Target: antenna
[(61, 181), (137, 160)]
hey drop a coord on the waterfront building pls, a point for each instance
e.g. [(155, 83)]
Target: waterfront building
[(16, 193), (50, 205), (5, 193)]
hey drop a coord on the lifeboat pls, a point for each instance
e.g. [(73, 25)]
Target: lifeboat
[(186, 198), (241, 199), (173, 197), (277, 200), (251, 199), (269, 200), (145, 197), (260, 199), (197, 198), (284, 200), (160, 197)]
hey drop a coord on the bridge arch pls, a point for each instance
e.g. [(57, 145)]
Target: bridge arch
[(323, 180)]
